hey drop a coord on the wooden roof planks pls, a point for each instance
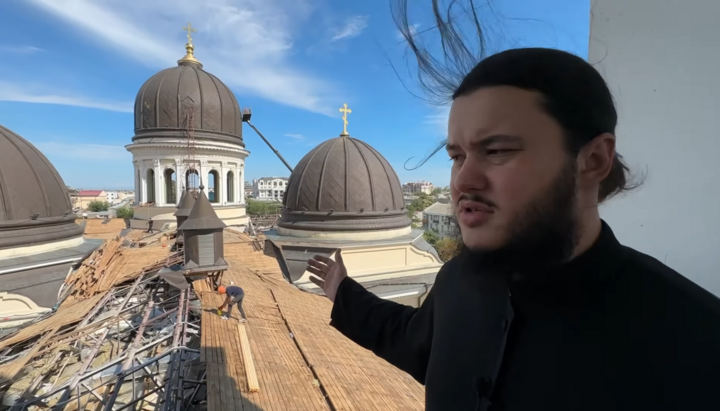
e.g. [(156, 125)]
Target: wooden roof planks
[(109, 266), (301, 363)]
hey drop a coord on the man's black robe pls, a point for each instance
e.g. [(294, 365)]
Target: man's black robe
[(613, 329)]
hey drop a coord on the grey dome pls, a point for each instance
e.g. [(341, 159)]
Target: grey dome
[(344, 185), (161, 103), (35, 205)]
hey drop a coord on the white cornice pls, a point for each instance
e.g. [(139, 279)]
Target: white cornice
[(180, 148)]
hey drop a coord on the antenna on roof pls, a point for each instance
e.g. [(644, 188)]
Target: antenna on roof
[(246, 114)]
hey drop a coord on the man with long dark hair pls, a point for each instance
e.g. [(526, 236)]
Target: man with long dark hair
[(543, 309)]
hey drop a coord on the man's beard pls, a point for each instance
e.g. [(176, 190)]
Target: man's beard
[(542, 236)]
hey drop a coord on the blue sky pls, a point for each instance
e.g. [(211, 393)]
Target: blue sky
[(70, 70)]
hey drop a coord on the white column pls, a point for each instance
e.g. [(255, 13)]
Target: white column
[(159, 180), (241, 179), (138, 183), (143, 179), (239, 186), (222, 184), (179, 180), (203, 174)]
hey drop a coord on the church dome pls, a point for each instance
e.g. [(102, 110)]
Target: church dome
[(164, 101), (35, 205), (344, 185)]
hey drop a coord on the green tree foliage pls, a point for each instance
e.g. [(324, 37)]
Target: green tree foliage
[(431, 237), (436, 191), (125, 212), (448, 248), (96, 206), (261, 208), (420, 203)]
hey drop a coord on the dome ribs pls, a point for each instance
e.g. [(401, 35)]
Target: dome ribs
[(320, 197), (303, 172), (369, 173), (157, 98), (318, 203), (216, 109), (7, 209), (221, 103), (34, 187), (347, 177), (237, 119), (141, 111), (202, 99), (180, 117), (43, 191), (389, 173)]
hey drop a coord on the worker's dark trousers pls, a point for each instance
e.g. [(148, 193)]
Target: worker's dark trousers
[(237, 300)]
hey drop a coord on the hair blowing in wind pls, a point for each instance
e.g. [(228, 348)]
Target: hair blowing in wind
[(439, 77), (572, 91)]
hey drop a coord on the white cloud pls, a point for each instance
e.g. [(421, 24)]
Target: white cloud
[(439, 120), (352, 28), (20, 49), (246, 43), (298, 137), (96, 153), (32, 93), (413, 32)]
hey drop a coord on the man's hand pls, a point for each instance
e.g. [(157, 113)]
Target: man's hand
[(330, 273)]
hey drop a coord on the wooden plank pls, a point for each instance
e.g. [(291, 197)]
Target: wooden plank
[(9, 371), (253, 385)]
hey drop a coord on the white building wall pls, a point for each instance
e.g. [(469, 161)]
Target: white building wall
[(661, 60), (269, 189)]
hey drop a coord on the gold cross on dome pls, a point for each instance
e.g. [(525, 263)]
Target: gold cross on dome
[(189, 30), (345, 110)]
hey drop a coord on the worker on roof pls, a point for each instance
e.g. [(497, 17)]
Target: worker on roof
[(234, 295)]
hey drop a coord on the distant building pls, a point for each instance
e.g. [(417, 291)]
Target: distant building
[(269, 188), (418, 187), (249, 190), (112, 196), (440, 218), (84, 197)]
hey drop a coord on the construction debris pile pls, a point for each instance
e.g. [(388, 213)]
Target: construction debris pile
[(123, 338), (140, 238), (106, 267)]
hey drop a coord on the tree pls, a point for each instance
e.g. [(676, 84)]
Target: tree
[(416, 221), (419, 204), (431, 237), (262, 208), (448, 248), (125, 212), (437, 191), (96, 206)]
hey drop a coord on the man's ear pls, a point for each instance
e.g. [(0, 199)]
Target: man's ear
[(595, 160)]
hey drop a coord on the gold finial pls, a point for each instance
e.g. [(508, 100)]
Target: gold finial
[(189, 48), (345, 110)]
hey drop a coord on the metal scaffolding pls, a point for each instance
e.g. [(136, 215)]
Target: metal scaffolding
[(138, 349)]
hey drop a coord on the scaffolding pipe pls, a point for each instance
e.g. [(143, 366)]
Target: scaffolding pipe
[(130, 357), (91, 356), (175, 379), (277, 153)]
